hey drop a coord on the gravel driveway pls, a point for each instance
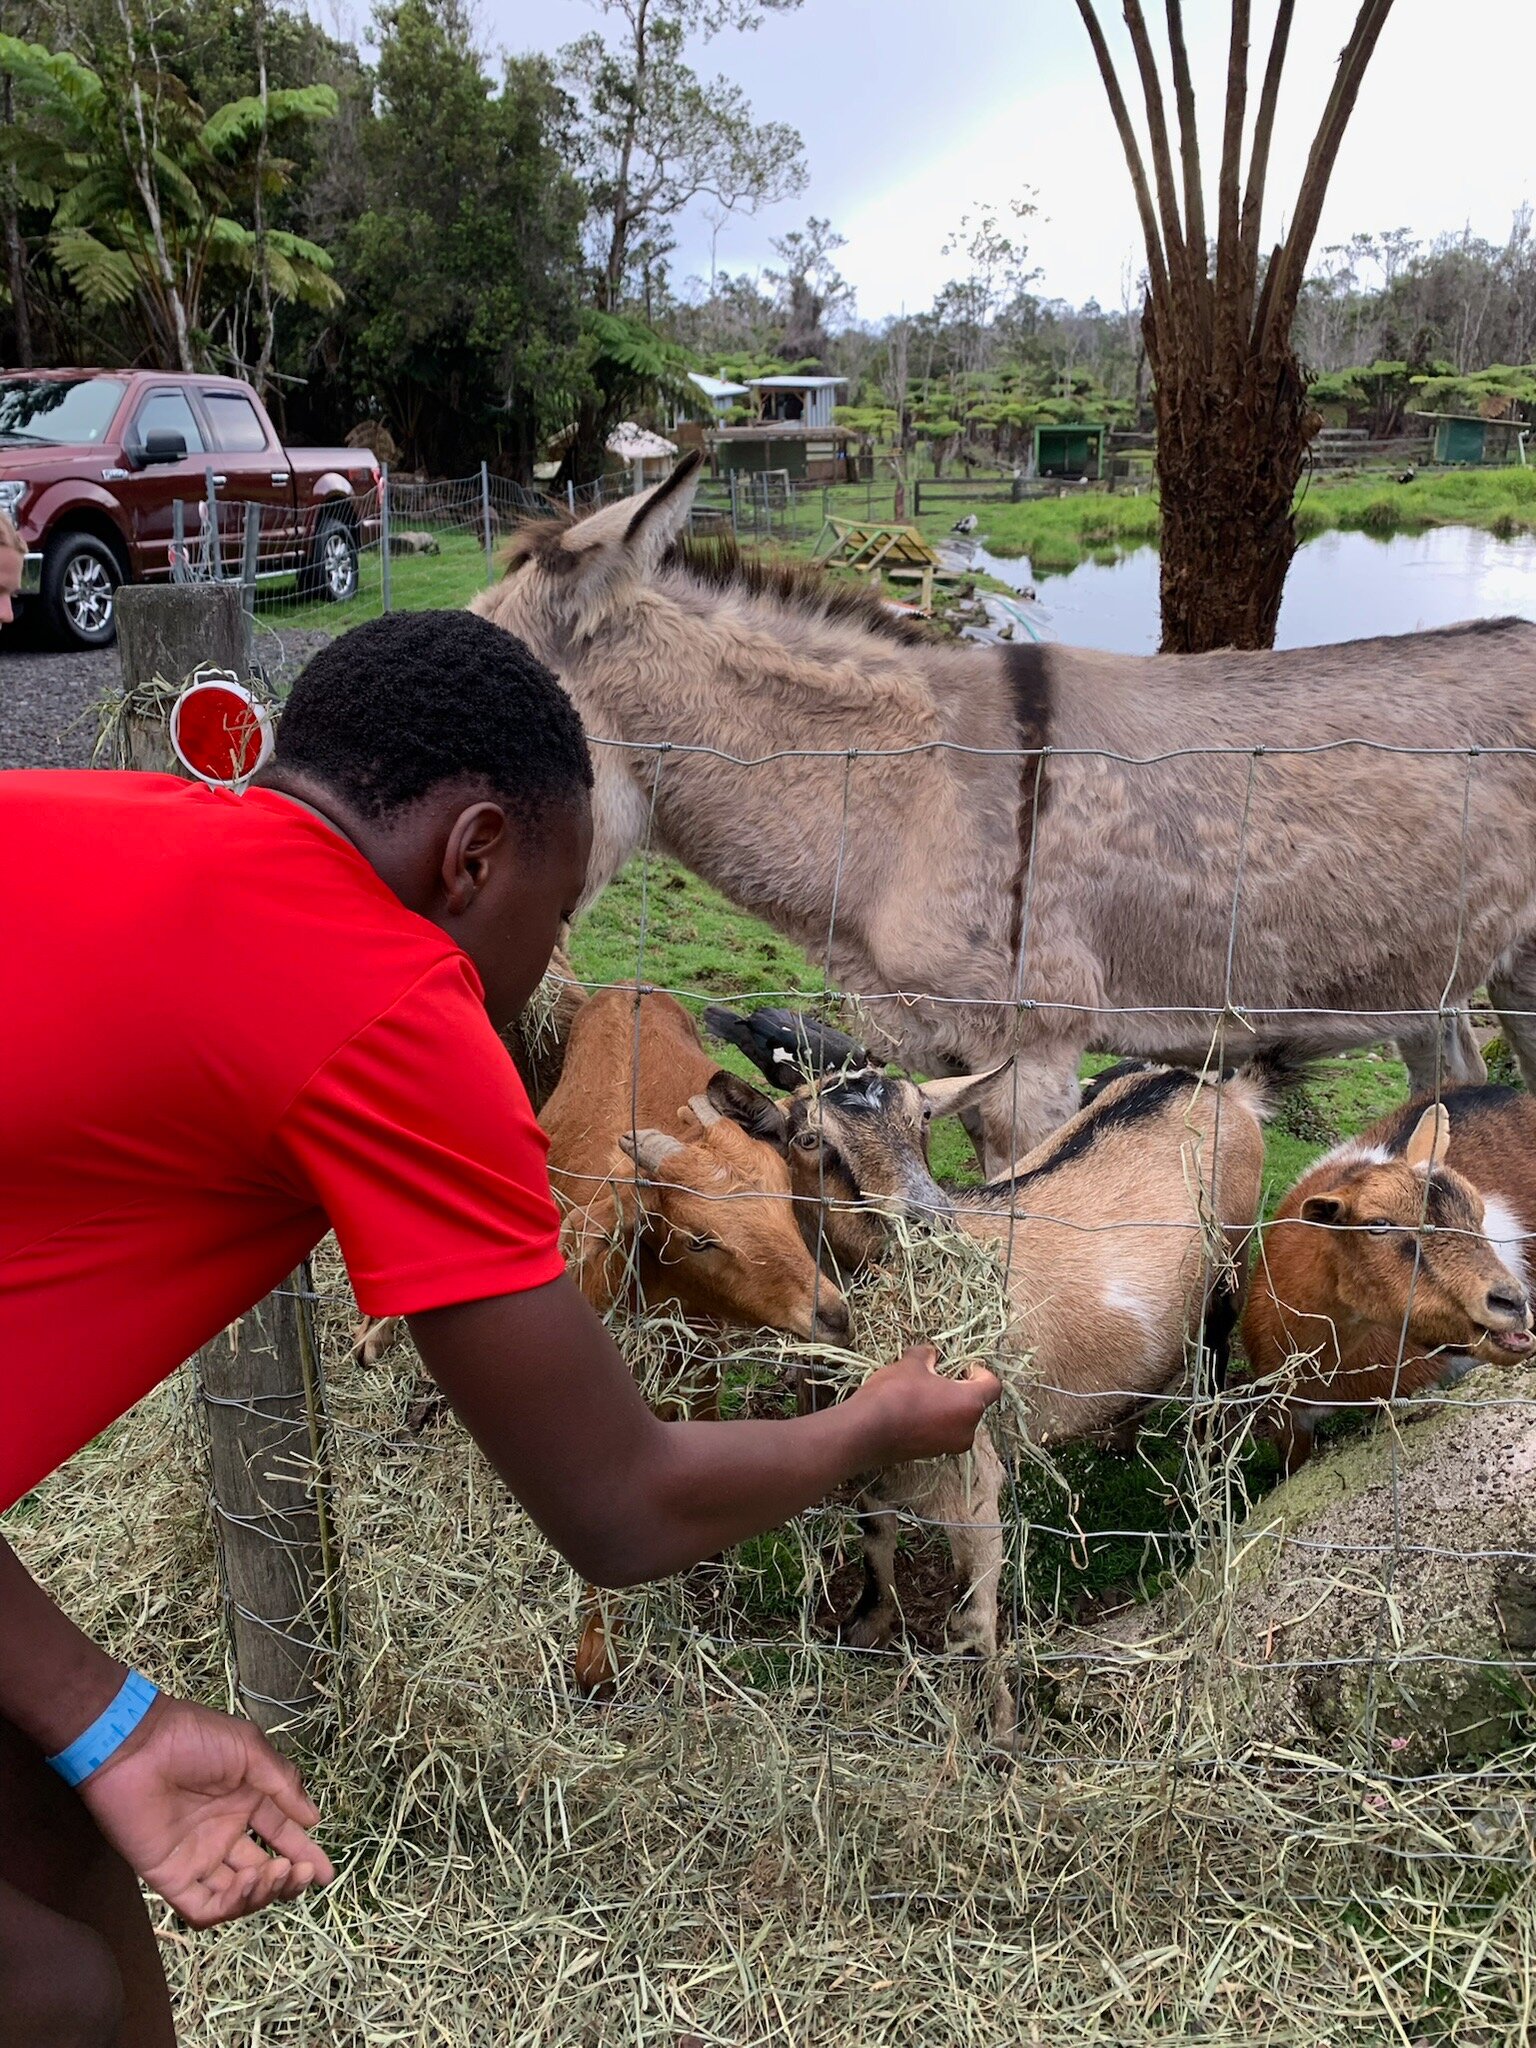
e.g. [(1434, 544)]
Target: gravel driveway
[(48, 698)]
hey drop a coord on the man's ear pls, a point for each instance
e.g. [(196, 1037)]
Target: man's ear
[(476, 837)]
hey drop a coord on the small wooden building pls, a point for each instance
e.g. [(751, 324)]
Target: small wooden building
[(1466, 437), (1070, 451), (796, 401)]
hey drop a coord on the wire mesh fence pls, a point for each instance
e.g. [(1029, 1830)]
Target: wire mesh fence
[(1267, 1769)]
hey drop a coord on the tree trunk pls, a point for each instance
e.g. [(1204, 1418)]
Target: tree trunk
[(1228, 466), (15, 260)]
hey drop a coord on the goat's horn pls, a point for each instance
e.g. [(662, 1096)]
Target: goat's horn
[(650, 1150), (704, 1110)]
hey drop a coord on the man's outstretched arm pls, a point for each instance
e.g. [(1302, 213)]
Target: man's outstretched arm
[(624, 1497)]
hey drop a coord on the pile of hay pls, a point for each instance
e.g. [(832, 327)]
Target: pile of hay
[(1382, 1603), (767, 1839)]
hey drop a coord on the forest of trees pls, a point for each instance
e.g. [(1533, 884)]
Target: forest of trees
[(479, 256)]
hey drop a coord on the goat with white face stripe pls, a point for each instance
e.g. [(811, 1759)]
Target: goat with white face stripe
[(1397, 1262)]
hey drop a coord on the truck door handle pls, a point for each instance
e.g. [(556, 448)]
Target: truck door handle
[(218, 479), (279, 476)]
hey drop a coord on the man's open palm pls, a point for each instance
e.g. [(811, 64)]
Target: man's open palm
[(182, 1801)]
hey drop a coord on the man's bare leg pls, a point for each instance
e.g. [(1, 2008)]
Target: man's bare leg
[(79, 1963)]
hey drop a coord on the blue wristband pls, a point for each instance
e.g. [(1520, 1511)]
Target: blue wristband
[(108, 1732)]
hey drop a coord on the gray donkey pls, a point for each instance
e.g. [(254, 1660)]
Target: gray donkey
[(1037, 851)]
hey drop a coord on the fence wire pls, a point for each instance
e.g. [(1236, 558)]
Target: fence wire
[(1268, 1766)]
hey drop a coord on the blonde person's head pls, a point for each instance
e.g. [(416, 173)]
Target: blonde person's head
[(11, 552)]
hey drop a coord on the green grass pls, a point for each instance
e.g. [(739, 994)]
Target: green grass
[(441, 582)]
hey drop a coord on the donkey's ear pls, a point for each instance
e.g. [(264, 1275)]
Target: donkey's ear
[(594, 564), (756, 1113), (951, 1097), (1431, 1138), (660, 515)]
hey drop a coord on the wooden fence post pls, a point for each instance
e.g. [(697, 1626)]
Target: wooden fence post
[(261, 1389), (259, 1381), (166, 630)]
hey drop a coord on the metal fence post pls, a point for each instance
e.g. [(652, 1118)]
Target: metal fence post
[(485, 513), (212, 545), (384, 533), (249, 555), (179, 540)]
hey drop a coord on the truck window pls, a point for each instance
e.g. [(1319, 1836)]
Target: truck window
[(167, 412), (58, 410), (236, 429)]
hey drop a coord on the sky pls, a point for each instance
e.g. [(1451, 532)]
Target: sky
[(912, 112)]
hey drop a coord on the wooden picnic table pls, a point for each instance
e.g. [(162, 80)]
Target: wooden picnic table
[(879, 547)]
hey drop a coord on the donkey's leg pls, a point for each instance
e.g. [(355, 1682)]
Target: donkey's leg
[(1034, 1097), (1442, 1053), (873, 1622), (1512, 992)]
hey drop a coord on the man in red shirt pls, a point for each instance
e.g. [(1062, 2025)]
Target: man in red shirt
[(171, 1147)]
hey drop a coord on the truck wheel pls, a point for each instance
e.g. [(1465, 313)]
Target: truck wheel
[(331, 573), (79, 582)]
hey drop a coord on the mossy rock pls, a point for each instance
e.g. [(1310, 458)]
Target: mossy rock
[(1380, 1604)]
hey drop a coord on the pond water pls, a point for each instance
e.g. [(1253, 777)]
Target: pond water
[(1342, 586)]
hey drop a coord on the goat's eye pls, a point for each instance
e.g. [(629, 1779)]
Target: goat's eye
[(1378, 1226), (704, 1244), (927, 1114), (808, 1141)]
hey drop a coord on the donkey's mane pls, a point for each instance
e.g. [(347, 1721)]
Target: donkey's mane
[(716, 562)]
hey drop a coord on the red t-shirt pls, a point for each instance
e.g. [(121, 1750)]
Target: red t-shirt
[(220, 1032)]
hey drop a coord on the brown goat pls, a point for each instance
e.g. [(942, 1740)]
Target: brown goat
[(1396, 1262), (673, 1177), (1124, 1241), (677, 1192)]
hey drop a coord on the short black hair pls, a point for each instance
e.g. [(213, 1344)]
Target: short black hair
[(396, 707)]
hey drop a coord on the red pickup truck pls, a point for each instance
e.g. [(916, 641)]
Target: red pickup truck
[(93, 462)]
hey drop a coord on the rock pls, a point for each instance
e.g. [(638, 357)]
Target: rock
[(414, 544), (1380, 1603)]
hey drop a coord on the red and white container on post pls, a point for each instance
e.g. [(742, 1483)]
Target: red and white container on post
[(220, 731)]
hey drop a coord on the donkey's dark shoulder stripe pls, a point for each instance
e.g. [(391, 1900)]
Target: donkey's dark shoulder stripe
[(1029, 685), (1141, 1097)]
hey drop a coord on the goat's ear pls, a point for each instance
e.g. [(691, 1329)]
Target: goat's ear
[(949, 1098), (758, 1115), (650, 1150), (1431, 1138), (1322, 1209)]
